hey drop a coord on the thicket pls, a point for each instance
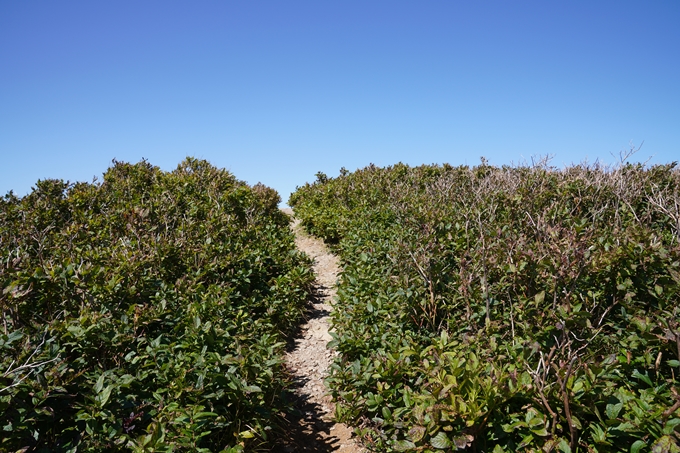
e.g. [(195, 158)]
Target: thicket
[(522, 308), (146, 312)]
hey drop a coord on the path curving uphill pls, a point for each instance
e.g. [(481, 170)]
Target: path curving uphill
[(308, 359)]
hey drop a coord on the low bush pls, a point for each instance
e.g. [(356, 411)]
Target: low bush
[(489, 308), (146, 312)]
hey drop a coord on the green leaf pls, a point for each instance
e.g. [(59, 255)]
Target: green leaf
[(599, 435), (625, 426), (669, 427), (541, 432), (538, 298), (236, 449), (100, 384), (528, 439), (563, 445), (12, 337), (613, 410), (440, 441), (103, 397), (643, 377), (637, 446), (404, 445)]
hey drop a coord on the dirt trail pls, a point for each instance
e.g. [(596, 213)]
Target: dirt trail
[(313, 430)]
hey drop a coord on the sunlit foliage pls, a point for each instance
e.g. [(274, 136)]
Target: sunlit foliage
[(145, 312), (521, 308)]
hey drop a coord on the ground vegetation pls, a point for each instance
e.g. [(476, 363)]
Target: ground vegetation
[(148, 311), (514, 308)]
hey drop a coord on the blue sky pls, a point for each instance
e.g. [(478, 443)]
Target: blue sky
[(276, 91)]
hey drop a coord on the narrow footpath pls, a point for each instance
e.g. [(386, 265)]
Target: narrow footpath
[(308, 359)]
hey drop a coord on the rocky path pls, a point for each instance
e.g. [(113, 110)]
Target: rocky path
[(308, 359)]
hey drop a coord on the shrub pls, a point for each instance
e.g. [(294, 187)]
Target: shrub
[(505, 309), (147, 312)]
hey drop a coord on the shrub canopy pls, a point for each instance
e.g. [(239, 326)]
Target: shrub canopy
[(505, 308)]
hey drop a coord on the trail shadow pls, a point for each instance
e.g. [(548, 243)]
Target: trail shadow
[(308, 426), (317, 296), (308, 430)]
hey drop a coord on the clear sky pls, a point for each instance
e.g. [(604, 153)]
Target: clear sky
[(275, 91)]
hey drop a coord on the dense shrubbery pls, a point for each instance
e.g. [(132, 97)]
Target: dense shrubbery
[(145, 312), (505, 309)]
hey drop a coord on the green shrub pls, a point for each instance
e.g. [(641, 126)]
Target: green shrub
[(147, 312), (505, 309)]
